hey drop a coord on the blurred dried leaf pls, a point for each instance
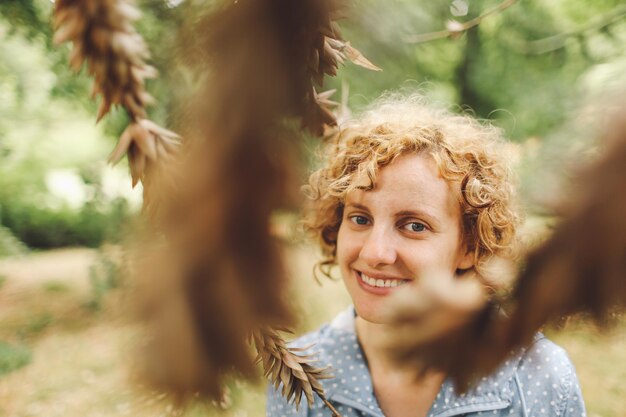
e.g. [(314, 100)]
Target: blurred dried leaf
[(239, 167), (566, 275), (215, 273)]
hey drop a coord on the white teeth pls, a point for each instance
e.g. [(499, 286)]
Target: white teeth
[(382, 283)]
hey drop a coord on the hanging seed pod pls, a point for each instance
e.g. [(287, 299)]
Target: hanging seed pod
[(241, 169), (217, 276), (103, 36)]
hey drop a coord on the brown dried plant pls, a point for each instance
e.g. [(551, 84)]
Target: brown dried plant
[(216, 275), (571, 274), (283, 366), (260, 59), (103, 35), (566, 275), (329, 51)]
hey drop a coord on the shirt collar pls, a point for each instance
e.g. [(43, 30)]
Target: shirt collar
[(340, 349)]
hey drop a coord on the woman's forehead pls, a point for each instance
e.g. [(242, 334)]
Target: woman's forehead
[(414, 170), (411, 182)]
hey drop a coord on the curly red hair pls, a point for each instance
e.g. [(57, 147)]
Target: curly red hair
[(469, 153)]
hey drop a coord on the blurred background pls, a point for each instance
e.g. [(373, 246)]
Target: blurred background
[(549, 73)]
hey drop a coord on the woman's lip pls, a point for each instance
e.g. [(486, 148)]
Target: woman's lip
[(374, 290)]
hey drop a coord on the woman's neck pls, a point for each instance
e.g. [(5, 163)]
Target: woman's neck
[(377, 344), (401, 388)]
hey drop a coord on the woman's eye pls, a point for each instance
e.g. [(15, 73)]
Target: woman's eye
[(415, 227), (360, 220)]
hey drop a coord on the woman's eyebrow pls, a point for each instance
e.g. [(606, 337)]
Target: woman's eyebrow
[(357, 206), (419, 213)]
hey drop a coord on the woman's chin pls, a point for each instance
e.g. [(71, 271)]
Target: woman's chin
[(377, 313)]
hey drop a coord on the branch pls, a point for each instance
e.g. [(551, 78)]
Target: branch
[(552, 43), (454, 29)]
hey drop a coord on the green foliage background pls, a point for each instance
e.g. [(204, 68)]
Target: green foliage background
[(47, 128), (495, 70)]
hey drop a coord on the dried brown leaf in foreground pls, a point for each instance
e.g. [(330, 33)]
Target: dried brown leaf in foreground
[(264, 57), (239, 167), (216, 273), (566, 275), (435, 305), (188, 350), (571, 274)]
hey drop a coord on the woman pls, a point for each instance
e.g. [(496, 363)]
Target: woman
[(408, 193)]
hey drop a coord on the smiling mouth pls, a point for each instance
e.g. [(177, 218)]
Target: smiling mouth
[(381, 283)]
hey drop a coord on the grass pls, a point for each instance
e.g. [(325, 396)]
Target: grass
[(13, 357), (61, 357), (56, 287), (600, 360)]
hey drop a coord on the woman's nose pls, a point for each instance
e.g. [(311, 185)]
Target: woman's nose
[(378, 248)]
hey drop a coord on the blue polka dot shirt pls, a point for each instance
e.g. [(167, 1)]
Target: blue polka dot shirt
[(539, 382)]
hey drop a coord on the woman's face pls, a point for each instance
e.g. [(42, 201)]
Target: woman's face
[(407, 226)]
